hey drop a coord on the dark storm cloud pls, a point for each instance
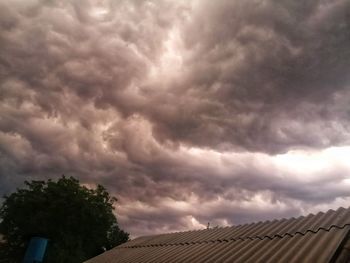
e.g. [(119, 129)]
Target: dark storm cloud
[(179, 108), (253, 67)]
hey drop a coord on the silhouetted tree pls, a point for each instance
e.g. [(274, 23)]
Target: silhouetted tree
[(79, 222)]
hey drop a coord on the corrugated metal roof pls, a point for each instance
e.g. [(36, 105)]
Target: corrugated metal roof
[(314, 238)]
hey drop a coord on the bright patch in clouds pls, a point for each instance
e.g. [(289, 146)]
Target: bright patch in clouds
[(308, 165), (170, 61)]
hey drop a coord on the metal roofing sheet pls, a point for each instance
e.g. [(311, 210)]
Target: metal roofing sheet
[(313, 238), (310, 247)]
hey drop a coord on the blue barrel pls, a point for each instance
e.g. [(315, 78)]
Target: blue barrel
[(36, 250)]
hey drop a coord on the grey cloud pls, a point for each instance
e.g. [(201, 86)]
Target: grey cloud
[(77, 96), (257, 63)]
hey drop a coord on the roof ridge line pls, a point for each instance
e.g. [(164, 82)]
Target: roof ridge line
[(241, 238)]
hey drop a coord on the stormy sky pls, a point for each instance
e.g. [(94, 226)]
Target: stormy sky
[(189, 112)]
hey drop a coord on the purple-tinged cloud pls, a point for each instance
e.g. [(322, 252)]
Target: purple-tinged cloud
[(188, 111)]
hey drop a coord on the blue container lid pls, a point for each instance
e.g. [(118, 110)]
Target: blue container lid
[(36, 250)]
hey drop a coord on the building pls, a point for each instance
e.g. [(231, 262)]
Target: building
[(323, 237)]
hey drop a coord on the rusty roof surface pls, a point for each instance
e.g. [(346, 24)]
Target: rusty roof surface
[(314, 238)]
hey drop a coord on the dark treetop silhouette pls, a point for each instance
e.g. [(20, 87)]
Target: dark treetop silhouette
[(79, 222)]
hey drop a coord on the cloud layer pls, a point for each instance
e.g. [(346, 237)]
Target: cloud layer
[(188, 111)]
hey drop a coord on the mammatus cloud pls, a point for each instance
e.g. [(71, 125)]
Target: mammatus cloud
[(188, 111)]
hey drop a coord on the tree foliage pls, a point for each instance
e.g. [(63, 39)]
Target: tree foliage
[(79, 222)]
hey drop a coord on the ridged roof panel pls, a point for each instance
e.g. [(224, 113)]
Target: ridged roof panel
[(308, 247), (302, 239), (260, 230)]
